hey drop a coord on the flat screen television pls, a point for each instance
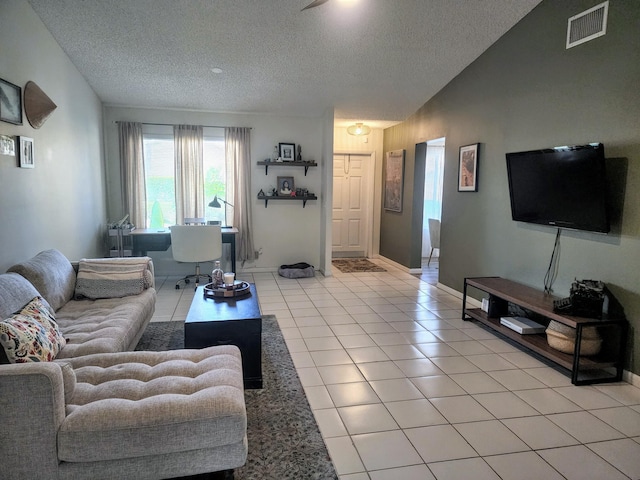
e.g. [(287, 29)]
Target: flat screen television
[(563, 187)]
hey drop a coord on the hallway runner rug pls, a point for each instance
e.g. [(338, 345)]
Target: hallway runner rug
[(284, 439), (354, 265)]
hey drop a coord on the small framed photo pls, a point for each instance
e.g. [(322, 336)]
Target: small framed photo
[(10, 103), (468, 168), (287, 152), (7, 145), (285, 186), (26, 152)]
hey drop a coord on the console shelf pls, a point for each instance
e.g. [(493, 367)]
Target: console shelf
[(606, 366)]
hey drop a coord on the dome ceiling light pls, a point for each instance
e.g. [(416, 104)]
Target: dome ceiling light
[(359, 129)]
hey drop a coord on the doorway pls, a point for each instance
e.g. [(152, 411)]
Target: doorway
[(432, 208), (352, 205)]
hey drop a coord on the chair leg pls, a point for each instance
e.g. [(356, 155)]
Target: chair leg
[(430, 253)]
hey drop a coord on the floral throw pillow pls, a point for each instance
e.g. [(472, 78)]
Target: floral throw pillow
[(31, 335)]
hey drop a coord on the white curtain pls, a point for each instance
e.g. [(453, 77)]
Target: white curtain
[(433, 187), (132, 176), (189, 176), (238, 153)]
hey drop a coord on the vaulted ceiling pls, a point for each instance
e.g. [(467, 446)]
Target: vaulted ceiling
[(371, 60)]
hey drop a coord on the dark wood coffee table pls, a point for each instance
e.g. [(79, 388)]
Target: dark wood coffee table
[(228, 321)]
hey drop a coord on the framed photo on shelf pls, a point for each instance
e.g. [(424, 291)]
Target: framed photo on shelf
[(468, 168), (287, 152), (285, 186), (10, 103), (26, 152), (393, 180)]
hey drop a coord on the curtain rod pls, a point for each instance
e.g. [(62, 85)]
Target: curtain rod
[(173, 124)]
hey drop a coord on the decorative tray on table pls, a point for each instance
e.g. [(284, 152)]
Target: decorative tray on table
[(238, 289)]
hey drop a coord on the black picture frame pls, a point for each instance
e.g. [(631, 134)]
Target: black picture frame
[(10, 103), (287, 152), (468, 168)]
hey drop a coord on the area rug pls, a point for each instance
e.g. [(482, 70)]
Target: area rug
[(284, 439), (354, 265)]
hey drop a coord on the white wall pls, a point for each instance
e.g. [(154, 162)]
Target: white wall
[(285, 231), (61, 202)]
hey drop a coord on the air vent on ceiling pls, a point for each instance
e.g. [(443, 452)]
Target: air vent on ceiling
[(587, 25)]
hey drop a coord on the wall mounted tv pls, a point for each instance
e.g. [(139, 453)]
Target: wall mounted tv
[(563, 187)]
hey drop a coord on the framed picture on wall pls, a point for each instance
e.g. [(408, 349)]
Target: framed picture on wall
[(26, 157), (393, 180), (468, 168), (10, 103)]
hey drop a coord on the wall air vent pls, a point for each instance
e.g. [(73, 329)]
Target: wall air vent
[(587, 25)]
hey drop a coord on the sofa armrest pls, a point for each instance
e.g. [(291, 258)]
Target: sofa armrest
[(32, 408)]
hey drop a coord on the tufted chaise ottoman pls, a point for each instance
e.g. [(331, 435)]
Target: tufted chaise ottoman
[(132, 415)]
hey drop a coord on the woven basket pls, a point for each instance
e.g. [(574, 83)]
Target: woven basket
[(563, 338)]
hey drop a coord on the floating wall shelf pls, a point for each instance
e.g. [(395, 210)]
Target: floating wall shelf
[(266, 199), (306, 165)]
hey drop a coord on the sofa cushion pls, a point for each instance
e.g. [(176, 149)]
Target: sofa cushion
[(15, 292), (31, 335), (51, 274), (104, 325), (128, 404), (113, 277)]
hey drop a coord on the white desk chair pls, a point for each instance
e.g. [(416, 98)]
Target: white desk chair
[(434, 236), (195, 244)]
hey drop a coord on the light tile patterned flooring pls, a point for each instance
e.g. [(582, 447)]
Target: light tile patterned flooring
[(402, 388)]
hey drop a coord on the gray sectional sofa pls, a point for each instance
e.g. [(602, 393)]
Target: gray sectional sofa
[(102, 411)]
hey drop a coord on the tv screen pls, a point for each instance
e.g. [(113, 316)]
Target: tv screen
[(562, 186)]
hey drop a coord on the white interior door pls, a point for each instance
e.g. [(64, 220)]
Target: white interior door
[(351, 209)]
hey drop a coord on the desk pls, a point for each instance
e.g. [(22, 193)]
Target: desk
[(159, 240)]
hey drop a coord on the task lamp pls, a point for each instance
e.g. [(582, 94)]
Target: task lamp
[(215, 203)]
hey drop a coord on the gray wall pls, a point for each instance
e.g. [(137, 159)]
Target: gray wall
[(527, 91), (61, 202)]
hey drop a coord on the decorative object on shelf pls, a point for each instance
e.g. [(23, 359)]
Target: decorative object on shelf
[(7, 145), (299, 156), (276, 154), (285, 185), (394, 180), (359, 129), (287, 151), (37, 105), (468, 168), (26, 156), (10, 103), (237, 289), (261, 193), (563, 338), (215, 203), (217, 275)]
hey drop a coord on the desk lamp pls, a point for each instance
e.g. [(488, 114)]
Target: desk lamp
[(215, 203)]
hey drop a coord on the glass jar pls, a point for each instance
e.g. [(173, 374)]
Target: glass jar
[(217, 276)]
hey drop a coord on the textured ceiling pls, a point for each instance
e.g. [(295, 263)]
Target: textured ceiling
[(368, 59)]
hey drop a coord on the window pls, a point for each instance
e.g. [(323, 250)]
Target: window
[(159, 174)]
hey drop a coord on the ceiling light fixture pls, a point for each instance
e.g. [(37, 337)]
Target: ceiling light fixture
[(359, 129), (216, 70)]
